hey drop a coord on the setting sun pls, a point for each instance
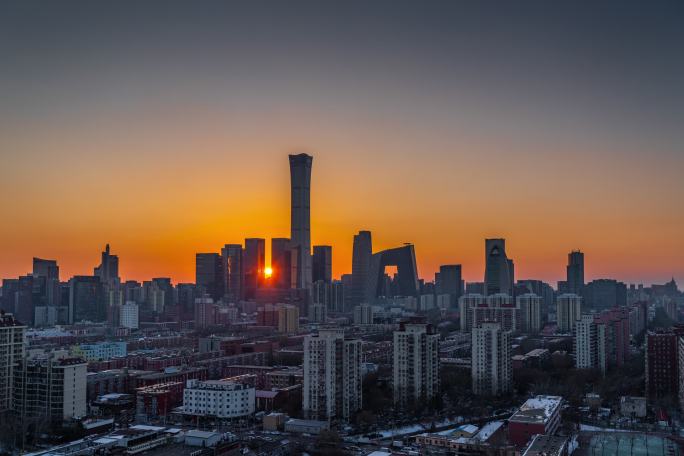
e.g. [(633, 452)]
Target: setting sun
[(268, 271)]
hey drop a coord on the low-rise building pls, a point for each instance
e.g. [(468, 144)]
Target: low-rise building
[(547, 445), (219, 398), (306, 426), (274, 421), (205, 439), (100, 351), (538, 415), (490, 440), (633, 407), (157, 401)]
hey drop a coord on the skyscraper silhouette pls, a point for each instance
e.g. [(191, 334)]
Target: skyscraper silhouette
[(575, 272), (404, 258), (233, 277), (45, 268), (498, 269), (300, 224), (209, 274), (322, 263), (253, 262), (108, 270), (361, 260), (281, 263), (451, 281)]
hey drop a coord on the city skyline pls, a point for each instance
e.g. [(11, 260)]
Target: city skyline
[(341, 228), (556, 128), (270, 267)]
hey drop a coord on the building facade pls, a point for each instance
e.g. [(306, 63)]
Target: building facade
[(300, 224), (568, 311), (332, 376), (12, 347), (416, 364), (50, 385), (218, 398), (491, 360), (499, 272), (501, 308), (530, 308)]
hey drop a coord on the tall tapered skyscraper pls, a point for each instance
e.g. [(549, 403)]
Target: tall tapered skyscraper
[(300, 224)]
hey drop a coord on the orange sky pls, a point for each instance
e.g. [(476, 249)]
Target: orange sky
[(161, 193)]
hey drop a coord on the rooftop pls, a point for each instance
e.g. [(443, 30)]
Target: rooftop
[(546, 445), (537, 409), (488, 430)]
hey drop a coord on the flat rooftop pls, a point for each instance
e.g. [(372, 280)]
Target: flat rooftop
[(537, 409), (546, 445)]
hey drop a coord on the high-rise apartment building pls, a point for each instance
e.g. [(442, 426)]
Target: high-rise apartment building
[(129, 315), (529, 307), (499, 308), (12, 346), (281, 263), (288, 318), (589, 342), (318, 313), (499, 271), (209, 274), (50, 385), (233, 277), (416, 364), (602, 340), (363, 314), (253, 262), (662, 363), (568, 311), (544, 291), (322, 263), (332, 375), (361, 260), (575, 272), (300, 224), (491, 360), (205, 312)]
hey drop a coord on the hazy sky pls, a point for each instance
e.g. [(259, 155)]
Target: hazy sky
[(163, 128)]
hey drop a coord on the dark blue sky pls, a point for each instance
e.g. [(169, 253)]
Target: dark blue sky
[(475, 114)]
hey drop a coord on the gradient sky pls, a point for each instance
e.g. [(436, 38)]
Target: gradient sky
[(163, 128)]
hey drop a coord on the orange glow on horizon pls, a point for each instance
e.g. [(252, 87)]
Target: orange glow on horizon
[(156, 226)]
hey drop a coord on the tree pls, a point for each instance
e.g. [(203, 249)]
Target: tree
[(329, 443)]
